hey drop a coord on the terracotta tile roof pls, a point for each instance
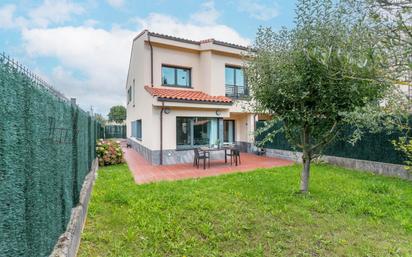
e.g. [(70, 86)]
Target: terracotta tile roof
[(186, 95)]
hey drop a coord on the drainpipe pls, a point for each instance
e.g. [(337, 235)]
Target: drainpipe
[(151, 58), (161, 132)]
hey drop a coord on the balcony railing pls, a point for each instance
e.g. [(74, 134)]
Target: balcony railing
[(238, 92)]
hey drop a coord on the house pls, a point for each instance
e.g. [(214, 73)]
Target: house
[(183, 94)]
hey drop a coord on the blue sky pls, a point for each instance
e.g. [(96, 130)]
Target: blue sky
[(83, 47)]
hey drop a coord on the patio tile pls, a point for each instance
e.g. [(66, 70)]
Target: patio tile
[(144, 172)]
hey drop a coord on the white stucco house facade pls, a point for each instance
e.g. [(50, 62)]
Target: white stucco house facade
[(183, 94)]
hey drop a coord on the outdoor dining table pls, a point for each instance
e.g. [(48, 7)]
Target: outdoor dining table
[(216, 149)]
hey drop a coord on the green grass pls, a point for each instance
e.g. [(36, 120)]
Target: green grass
[(347, 213)]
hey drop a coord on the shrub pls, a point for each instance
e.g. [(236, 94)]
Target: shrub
[(109, 152), (404, 145)]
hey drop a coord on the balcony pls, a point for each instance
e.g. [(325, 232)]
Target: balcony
[(236, 92)]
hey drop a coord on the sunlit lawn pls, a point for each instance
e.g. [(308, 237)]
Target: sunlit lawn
[(259, 213)]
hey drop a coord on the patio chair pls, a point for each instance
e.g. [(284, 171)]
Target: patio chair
[(201, 156), (234, 153)]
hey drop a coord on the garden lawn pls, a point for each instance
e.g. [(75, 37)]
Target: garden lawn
[(259, 213)]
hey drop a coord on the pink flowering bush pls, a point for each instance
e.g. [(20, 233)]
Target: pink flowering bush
[(109, 152)]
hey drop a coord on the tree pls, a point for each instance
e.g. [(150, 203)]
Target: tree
[(310, 78), (391, 21), (100, 119), (117, 114)]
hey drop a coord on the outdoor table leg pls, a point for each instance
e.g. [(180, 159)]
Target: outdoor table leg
[(206, 153), (225, 156)]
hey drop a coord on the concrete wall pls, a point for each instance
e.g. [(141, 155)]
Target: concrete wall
[(379, 168)]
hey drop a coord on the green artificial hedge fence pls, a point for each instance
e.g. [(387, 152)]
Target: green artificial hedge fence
[(372, 147), (47, 145)]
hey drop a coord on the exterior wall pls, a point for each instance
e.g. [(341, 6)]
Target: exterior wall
[(141, 105), (207, 62), (177, 58), (169, 124), (207, 67), (218, 72), (244, 127)]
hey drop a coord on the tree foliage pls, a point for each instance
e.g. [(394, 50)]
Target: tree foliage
[(310, 78), (117, 114), (391, 21), (100, 119)]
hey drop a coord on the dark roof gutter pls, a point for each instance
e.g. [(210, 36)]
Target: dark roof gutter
[(194, 42), (164, 99)]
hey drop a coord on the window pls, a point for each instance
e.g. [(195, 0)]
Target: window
[(235, 82), (229, 131), (134, 93), (129, 95), (137, 129), (176, 77), (192, 132)]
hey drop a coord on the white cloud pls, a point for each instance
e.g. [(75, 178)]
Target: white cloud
[(100, 56), (116, 3), (172, 26), (257, 10), (6, 16), (90, 23), (54, 11), (207, 15), (80, 89), (93, 62)]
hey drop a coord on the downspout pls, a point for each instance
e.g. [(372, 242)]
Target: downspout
[(161, 132), (151, 58)]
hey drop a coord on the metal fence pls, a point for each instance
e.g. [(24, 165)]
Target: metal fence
[(115, 131), (372, 147), (47, 145)]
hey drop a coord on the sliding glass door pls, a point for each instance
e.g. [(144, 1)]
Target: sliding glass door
[(193, 132), (183, 131), (229, 131)]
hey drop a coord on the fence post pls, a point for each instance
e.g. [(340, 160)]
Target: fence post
[(75, 162), (89, 139)]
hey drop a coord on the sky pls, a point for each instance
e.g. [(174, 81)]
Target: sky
[(82, 48)]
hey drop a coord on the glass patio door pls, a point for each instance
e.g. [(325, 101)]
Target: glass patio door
[(229, 131), (196, 131)]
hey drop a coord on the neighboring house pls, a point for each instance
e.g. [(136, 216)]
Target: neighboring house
[(183, 94)]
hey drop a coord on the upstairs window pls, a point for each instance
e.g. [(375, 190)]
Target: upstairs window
[(235, 82), (133, 92), (129, 95), (176, 76)]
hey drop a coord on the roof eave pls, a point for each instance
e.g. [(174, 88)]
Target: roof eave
[(165, 99)]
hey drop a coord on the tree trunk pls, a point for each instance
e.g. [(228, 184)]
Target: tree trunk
[(306, 158), (304, 180)]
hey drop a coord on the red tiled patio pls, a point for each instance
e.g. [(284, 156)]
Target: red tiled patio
[(144, 172)]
